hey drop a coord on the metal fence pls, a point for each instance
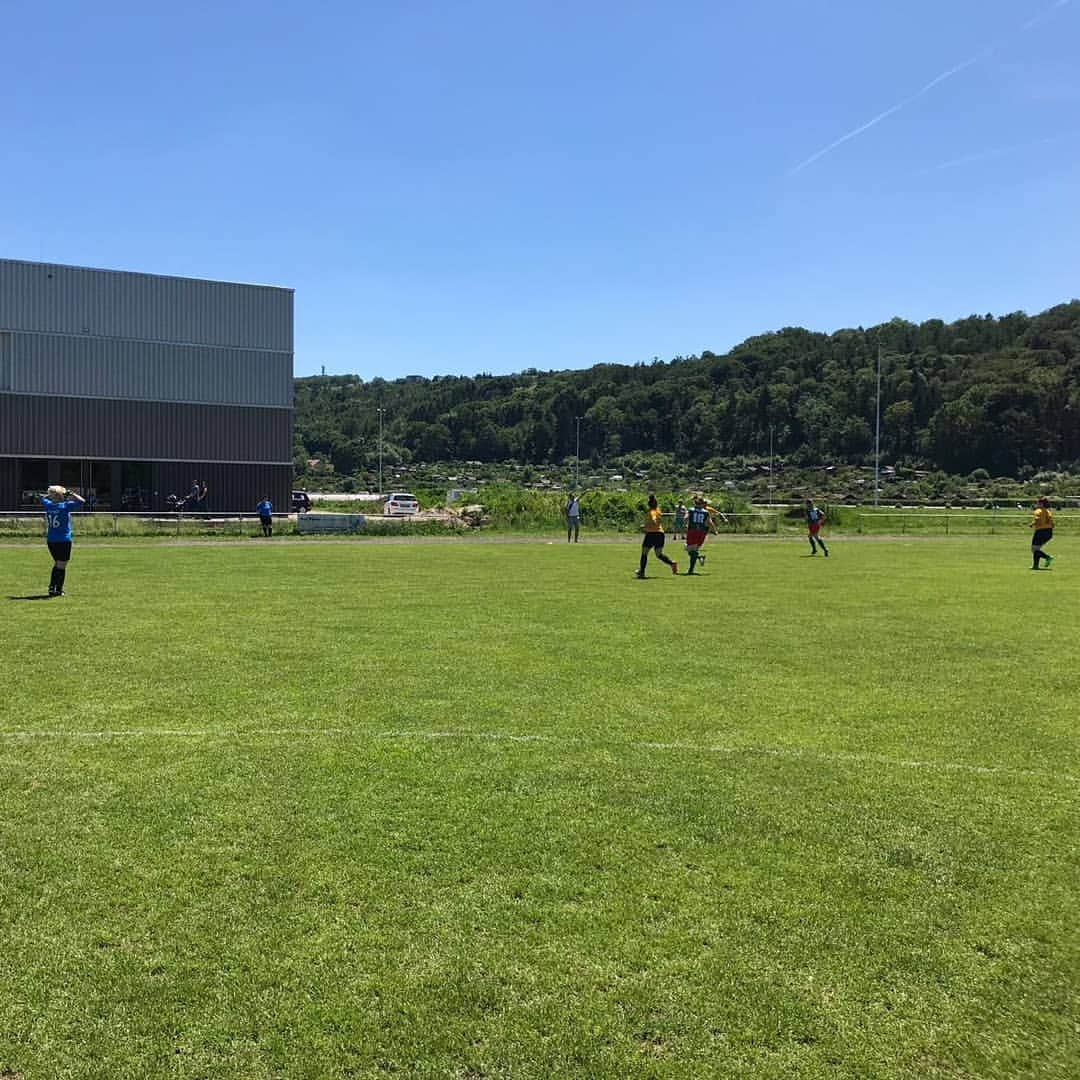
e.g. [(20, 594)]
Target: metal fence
[(946, 524), (21, 523), (756, 521)]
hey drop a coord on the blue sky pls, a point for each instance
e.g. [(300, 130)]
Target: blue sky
[(454, 188)]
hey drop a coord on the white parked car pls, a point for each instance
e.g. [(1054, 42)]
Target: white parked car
[(401, 502)]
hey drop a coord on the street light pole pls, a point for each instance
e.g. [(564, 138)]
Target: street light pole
[(577, 453), (877, 429), (771, 485), (380, 451)]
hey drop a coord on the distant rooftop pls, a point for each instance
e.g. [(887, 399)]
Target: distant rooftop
[(144, 273)]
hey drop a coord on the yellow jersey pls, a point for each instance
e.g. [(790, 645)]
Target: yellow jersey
[(1042, 518), (654, 521)]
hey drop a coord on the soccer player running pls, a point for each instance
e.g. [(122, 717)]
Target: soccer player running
[(654, 538), (815, 518), (265, 510), (59, 504), (1042, 521), (699, 524)]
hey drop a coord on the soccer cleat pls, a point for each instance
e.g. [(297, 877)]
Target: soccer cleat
[(1049, 559), (639, 575), (674, 567)]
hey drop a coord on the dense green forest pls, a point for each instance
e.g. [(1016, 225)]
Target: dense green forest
[(985, 392)]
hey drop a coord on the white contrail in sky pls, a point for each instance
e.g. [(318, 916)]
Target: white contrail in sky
[(1044, 16), (888, 112), (919, 93), (996, 152)]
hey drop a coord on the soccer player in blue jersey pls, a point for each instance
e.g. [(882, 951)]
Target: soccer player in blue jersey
[(699, 524), (59, 504), (815, 518)]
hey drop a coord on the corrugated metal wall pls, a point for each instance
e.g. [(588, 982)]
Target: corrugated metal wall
[(103, 367), (117, 304), (5, 361), (32, 426), (193, 377)]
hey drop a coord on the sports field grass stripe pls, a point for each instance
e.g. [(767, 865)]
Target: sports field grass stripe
[(787, 753)]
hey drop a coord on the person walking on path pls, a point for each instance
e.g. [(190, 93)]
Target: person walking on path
[(573, 517), (699, 524), (1042, 521), (654, 538), (680, 521), (59, 504), (265, 510), (815, 518)]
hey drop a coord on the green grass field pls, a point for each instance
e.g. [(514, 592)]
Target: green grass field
[(500, 810)]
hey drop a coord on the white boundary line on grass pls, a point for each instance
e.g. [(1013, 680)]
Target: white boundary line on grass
[(792, 753)]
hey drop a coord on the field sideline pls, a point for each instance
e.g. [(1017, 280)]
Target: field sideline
[(500, 810)]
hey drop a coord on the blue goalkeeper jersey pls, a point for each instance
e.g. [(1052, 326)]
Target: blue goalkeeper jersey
[(58, 515)]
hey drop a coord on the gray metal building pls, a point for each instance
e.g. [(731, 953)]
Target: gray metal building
[(128, 387)]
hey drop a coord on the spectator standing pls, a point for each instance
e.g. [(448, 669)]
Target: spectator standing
[(680, 522), (573, 517), (265, 510)]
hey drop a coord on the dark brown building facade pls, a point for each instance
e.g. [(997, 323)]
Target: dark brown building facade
[(131, 387)]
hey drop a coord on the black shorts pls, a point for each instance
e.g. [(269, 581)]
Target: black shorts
[(653, 540), (1042, 536), (60, 550)]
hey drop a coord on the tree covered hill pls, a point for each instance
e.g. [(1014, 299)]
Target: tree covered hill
[(1001, 394)]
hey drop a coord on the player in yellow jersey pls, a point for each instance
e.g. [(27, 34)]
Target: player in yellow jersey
[(654, 538), (1042, 521)]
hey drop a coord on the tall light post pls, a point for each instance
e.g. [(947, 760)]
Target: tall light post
[(771, 485), (381, 410), (877, 429), (577, 452)]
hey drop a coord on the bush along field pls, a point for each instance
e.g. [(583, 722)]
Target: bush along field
[(502, 810), (515, 510)]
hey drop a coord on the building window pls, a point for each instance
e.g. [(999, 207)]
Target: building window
[(35, 480), (136, 480)]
